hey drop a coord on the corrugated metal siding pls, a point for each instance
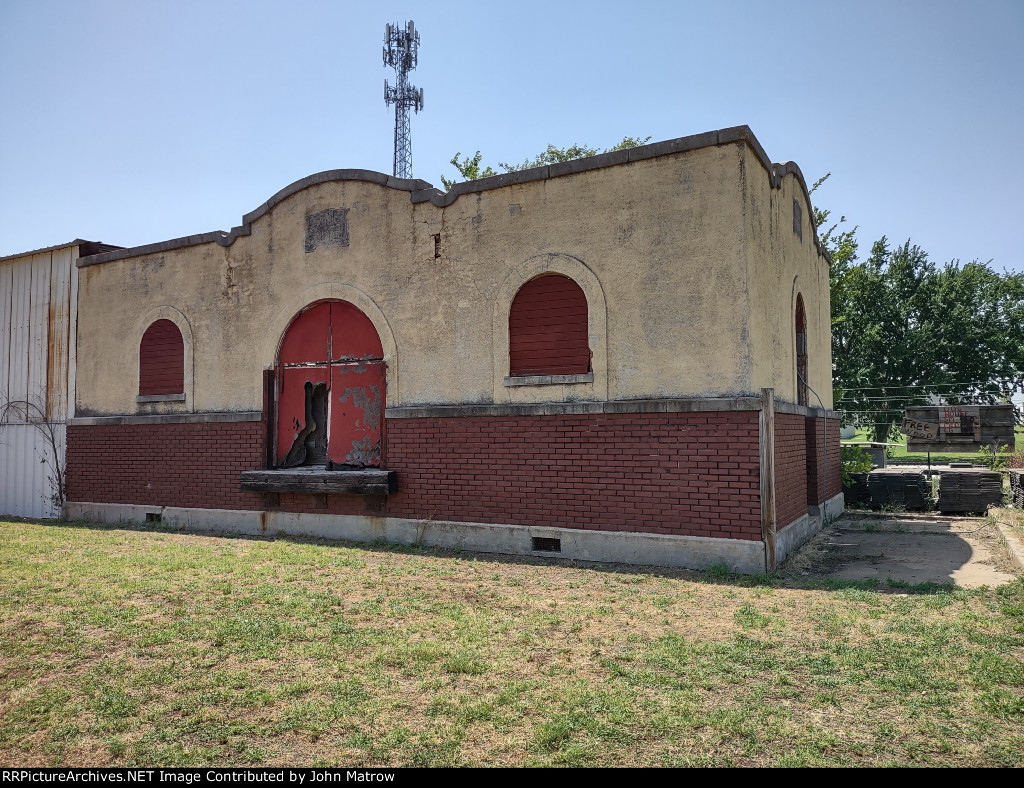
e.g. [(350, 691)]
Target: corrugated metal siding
[(6, 295), (25, 479), (37, 328), (59, 344)]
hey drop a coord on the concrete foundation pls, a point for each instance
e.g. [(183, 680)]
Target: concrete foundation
[(796, 533), (687, 552)]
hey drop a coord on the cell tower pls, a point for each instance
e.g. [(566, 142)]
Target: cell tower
[(401, 47)]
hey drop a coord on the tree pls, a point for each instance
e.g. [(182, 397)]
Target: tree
[(979, 328), (842, 248), (904, 329), (880, 345), (469, 168)]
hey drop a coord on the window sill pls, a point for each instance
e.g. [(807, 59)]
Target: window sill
[(548, 380), (160, 398), (318, 481)]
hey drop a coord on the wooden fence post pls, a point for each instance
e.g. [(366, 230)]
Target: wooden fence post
[(766, 424)]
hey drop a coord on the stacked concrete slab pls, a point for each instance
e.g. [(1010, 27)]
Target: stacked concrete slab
[(895, 487), (969, 490), (1017, 487), (856, 493)]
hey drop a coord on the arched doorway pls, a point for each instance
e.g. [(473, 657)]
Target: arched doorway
[(331, 389), (801, 352)]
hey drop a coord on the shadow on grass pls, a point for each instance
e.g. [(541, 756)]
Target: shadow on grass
[(717, 574)]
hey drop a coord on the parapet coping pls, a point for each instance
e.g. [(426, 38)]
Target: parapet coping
[(423, 191)]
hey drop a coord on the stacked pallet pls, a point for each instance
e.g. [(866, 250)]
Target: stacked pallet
[(856, 493), (969, 490), (893, 487), (1017, 487)]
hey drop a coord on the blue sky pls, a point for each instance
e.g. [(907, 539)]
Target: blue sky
[(136, 122)]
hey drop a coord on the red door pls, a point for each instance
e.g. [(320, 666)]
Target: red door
[(357, 407), (331, 389)]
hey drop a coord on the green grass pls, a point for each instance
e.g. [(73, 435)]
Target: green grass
[(122, 646), (899, 453)]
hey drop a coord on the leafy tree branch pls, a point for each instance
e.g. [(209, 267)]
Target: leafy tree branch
[(470, 170)]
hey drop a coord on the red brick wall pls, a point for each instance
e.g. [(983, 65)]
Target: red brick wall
[(816, 491), (673, 473), (790, 469), (196, 465)]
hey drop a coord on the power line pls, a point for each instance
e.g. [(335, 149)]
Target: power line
[(913, 397), (925, 385)]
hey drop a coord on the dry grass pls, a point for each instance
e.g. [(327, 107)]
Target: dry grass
[(125, 646)]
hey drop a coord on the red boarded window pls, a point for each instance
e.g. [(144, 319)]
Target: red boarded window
[(547, 328), (162, 360)]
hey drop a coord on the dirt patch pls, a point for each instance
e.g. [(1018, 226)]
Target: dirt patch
[(906, 549)]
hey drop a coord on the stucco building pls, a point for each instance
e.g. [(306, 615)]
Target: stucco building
[(625, 357)]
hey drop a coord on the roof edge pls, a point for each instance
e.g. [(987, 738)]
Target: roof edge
[(791, 168), (422, 191), (85, 248)]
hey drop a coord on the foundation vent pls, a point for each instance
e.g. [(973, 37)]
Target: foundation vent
[(543, 544), (154, 517)]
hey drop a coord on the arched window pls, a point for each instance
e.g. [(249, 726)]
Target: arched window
[(547, 328), (330, 389), (801, 352), (161, 360)]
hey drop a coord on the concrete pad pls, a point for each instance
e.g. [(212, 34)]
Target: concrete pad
[(961, 551)]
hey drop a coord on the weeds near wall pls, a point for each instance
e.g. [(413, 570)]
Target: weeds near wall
[(34, 413), (995, 458), (854, 459)]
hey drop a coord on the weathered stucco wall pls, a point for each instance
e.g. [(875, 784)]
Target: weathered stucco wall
[(782, 264), (686, 269)]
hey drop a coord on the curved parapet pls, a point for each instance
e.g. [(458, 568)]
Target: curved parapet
[(227, 238), (421, 191), (780, 171)]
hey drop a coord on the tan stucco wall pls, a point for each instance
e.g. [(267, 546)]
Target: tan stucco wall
[(664, 249), (781, 265)]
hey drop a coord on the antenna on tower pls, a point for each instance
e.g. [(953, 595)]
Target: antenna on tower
[(401, 47)]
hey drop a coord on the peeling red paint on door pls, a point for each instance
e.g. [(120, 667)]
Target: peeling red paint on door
[(357, 398), (292, 411), (331, 344)]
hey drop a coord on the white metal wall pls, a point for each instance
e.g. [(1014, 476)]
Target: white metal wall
[(38, 316), (25, 486)]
